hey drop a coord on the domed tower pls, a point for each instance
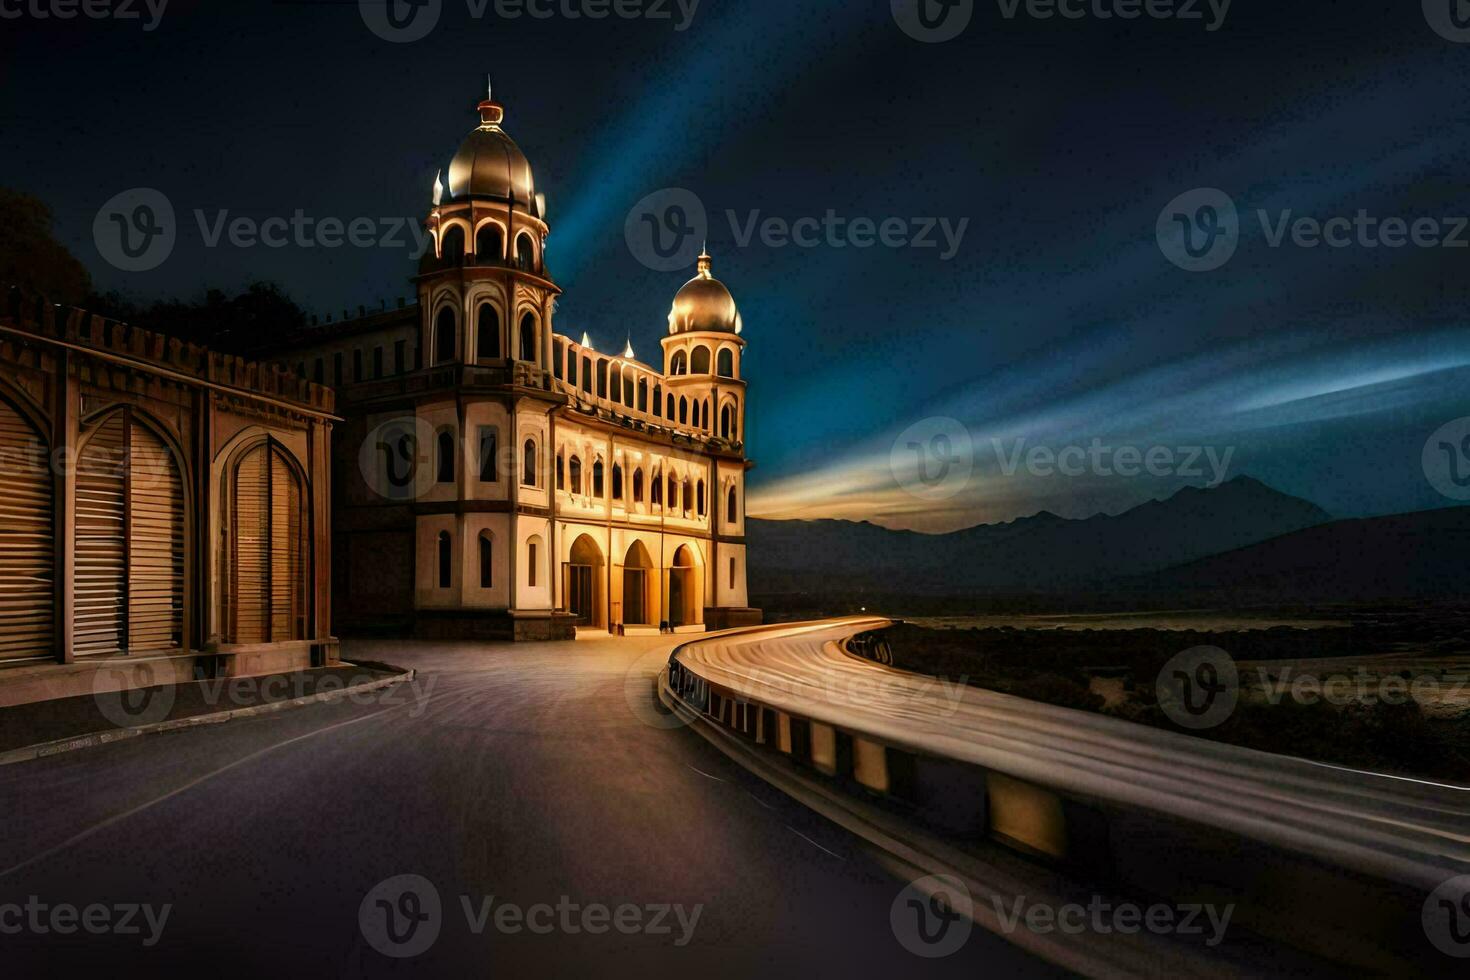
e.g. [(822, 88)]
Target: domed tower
[(702, 358), (485, 295)]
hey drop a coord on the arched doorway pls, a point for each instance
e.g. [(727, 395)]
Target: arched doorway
[(582, 578), (638, 587), (685, 604), (264, 565)]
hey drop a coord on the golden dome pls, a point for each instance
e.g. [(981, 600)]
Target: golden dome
[(704, 305), (490, 165)]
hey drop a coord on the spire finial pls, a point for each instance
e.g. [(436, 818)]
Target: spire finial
[(704, 262), (438, 188), (628, 348), (489, 89)]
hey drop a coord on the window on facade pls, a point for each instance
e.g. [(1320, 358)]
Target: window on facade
[(337, 368), (489, 453), (558, 357), (561, 472), (377, 362), (525, 253), (444, 463), (318, 372), (453, 248), (487, 561), (683, 410), (725, 422), (655, 489), (678, 364), (601, 379), (444, 339), (670, 413), (642, 394), (531, 557), (673, 493), (615, 385), (528, 338), (597, 478), (575, 474), (487, 333), (637, 486), (617, 486), (732, 573), (528, 463), (400, 356), (489, 245), (725, 363), (732, 509), (658, 400), (699, 498), (587, 375), (357, 372), (687, 500), (572, 369), (446, 560), (699, 363)]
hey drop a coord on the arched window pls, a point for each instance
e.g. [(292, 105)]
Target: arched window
[(487, 333), (601, 379), (445, 341), (452, 249), (732, 509), (655, 489), (525, 253), (658, 400), (704, 416), (576, 474), (699, 498), (637, 486), (673, 492), (444, 458), (587, 375), (678, 364), (528, 464), (528, 338), (699, 363), (558, 359), (597, 478), (642, 394), (489, 244), (725, 423), (628, 388), (687, 500), (670, 413), (725, 362), (561, 483), (615, 383), (617, 486), (487, 561), (683, 410), (446, 560), (533, 559)]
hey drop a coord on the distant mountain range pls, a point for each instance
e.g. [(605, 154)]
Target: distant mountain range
[(1239, 535)]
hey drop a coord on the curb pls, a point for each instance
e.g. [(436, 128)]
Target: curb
[(59, 746)]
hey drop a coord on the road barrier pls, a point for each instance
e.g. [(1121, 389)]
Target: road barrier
[(1289, 843)]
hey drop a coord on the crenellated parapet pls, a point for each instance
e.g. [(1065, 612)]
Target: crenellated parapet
[(25, 314)]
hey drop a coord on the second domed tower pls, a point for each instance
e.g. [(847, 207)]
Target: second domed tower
[(702, 355)]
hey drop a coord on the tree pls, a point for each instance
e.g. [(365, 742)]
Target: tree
[(31, 258)]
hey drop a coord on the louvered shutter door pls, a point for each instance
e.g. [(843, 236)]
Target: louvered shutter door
[(27, 572), (101, 545), (155, 545), (285, 551), (251, 574)]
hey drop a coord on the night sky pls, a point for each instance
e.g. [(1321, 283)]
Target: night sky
[(1058, 320)]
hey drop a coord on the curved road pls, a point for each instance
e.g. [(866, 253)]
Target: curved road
[(522, 773)]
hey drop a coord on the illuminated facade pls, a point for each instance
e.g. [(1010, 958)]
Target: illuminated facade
[(164, 511), (498, 479)]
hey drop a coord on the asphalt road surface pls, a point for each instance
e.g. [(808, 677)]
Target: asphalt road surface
[(522, 781)]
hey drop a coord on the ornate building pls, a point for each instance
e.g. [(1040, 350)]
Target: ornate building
[(496, 478), (163, 509)]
